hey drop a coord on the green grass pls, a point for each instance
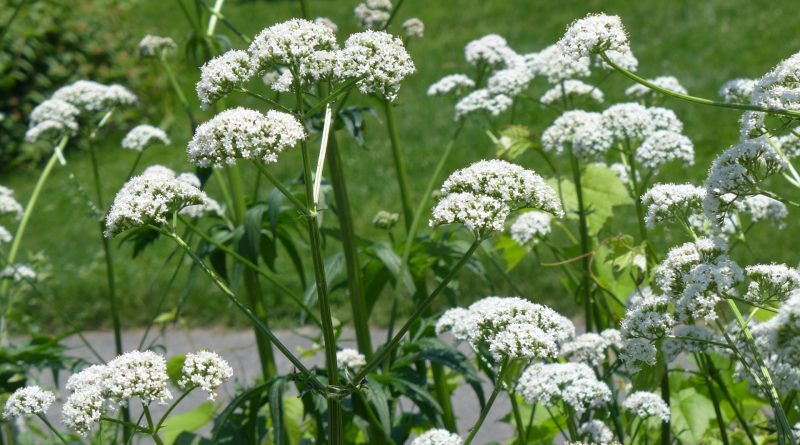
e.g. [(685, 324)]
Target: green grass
[(703, 43)]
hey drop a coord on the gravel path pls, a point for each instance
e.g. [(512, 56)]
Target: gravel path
[(239, 348)]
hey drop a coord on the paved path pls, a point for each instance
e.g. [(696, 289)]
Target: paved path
[(238, 347)]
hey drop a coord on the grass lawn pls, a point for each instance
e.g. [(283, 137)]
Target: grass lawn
[(703, 43)]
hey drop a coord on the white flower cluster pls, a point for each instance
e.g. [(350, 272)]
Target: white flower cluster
[(595, 431), (551, 63), (645, 404), (771, 282), (637, 353), (91, 96), (593, 34), (18, 273), (672, 202), (373, 14), (647, 316), (630, 122), (53, 116), (736, 173), (143, 136), (509, 328), (379, 60), (737, 90), (413, 27), (451, 84), (206, 370), (688, 339), (573, 383), (221, 75), (491, 50), (5, 235), (509, 82), (385, 220), (482, 100), (244, 133), (695, 276), (779, 88), (587, 348), (665, 146), (482, 195), (764, 208), (149, 199), (570, 90), (530, 227), (290, 43), (789, 143), (153, 46), (639, 91), (27, 401), (581, 132), (9, 204), (438, 437), (350, 358)]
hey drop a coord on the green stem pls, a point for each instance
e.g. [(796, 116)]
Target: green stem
[(418, 312), (328, 99), (714, 373), (279, 185), (666, 427), (694, 99), (399, 164), (55, 431), (172, 407), (393, 14), (212, 19), (723, 430), (305, 10), (135, 164), (358, 300), (522, 439), (584, 239), (153, 432), (485, 411)]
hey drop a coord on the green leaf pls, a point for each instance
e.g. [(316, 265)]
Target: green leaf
[(389, 257), (692, 413), (175, 367), (602, 191), (186, 421), (377, 395), (276, 411), (514, 141), (512, 252)]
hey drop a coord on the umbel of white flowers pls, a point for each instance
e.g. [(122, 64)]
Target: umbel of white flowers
[(482, 196)]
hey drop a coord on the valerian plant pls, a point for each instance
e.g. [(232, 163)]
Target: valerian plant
[(680, 345)]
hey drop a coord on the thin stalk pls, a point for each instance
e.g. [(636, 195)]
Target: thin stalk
[(305, 10), (178, 91), (135, 164), (485, 411), (420, 310), (328, 99), (212, 19), (279, 185), (393, 14), (584, 238), (636, 193), (694, 99), (153, 432), (666, 430), (723, 430), (358, 301), (714, 373), (264, 99), (50, 426), (399, 164), (172, 407), (522, 439)]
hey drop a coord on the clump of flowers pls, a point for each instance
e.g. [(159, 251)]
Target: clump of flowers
[(206, 370), (385, 220), (482, 100), (243, 133), (530, 227), (491, 50), (575, 384), (665, 146), (8, 204), (451, 84), (737, 90), (596, 432), (646, 404), (18, 273), (154, 46), (143, 136), (438, 437), (587, 348), (571, 90), (581, 132), (553, 64), (373, 14), (29, 400), (771, 282), (378, 60), (91, 96), (413, 27), (593, 34), (764, 208), (350, 359), (672, 202), (220, 75), (53, 116), (290, 43)]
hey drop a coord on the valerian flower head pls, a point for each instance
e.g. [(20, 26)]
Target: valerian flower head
[(573, 383), (143, 136), (639, 91), (647, 316), (553, 64), (385, 220), (482, 100), (9, 204), (628, 122), (664, 146), (646, 404), (350, 358), (589, 348), (672, 202), (737, 90), (206, 370), (18, 272), (378, 60), (510, 81), (52, 117), (28, 401), (373, 14), (491, 50), (222, 74), (438, 437), (665, 119), (83, 409), (154, 46), (87, 95), (637, 353), (480, 214), (571, 90), (290, 43), (771, 282), (779, 87), (413, 27), (593, 34), (451, 84), (789, 143), (141, 374), (530, 227), (149, 199), (243, 133), (764, 208), (596, 431), (581, 132)]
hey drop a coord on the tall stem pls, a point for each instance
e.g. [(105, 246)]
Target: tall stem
[(399, 164), (485, 411), (584, 239), (153, 432), (50, 426), (666, 427)]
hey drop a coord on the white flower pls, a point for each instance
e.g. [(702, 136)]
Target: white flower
[(453, 83), (672, 202), (551, 63), (764, 208), (592, 34), (613, 337), (28, 400), (91, 96), (789, 143), (639, 91), (385, 220), (770, 282), (18, 272), (665, 119), (153, 46), (379, 60), (530, 227), (582, 132), (326, 22), (647, 316), (221, 75), (625, 60), (522, 341), (142, 136), (664, 146), (137, 374), (414, 27), (90, 377), (637, 353), (149, 199), (289, 43), (510, 81), (596, 432), (646, 404), (438, 437), (373, 14), (244, 133), (628, 122), (83, 409), (52, 116), (779, 88), (483, 100), (491, 50), (752, 125), (207, 370), (571, 90), (480, 214), (589, 348), (621, 170), (737, 90), (350, 358), (5, 235), (574, 383), (9, 205)]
